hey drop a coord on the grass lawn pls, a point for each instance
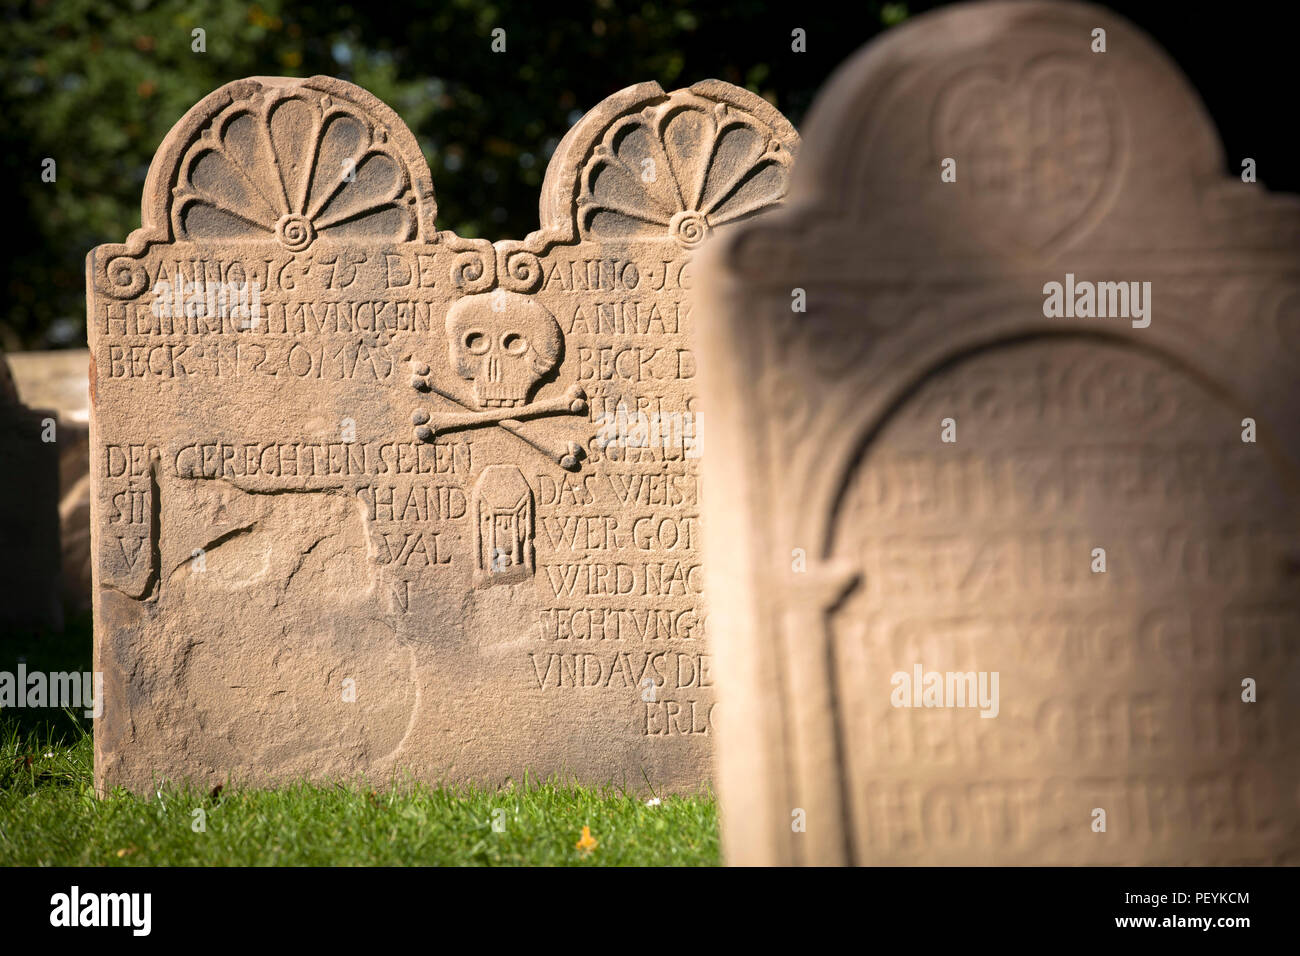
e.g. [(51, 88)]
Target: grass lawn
[(49, 815)]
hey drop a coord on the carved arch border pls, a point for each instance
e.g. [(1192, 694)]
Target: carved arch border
[(801, 635), (824, 487)]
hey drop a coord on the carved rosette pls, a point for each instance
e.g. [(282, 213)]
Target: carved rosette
[(290, 165), (1037, 185), (680, 169)]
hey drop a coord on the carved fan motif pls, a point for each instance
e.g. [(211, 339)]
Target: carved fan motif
[(292, 167), (680, 169)]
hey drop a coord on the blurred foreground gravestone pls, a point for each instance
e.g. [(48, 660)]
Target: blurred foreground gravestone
[(1002, 540), (371, 498)]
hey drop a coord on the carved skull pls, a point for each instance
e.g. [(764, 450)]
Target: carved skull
[(504, 342)]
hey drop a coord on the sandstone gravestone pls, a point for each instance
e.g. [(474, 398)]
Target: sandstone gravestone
[(29, 516), (57, 381), (372, 498), (926, 472)]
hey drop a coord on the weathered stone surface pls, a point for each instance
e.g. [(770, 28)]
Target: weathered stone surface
[(57, 381), (848, 542), (395, 521), (29, 515)]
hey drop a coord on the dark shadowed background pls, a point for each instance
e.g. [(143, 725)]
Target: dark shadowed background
[(96, 85)]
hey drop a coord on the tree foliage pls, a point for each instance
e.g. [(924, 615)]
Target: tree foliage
[(95, 86)]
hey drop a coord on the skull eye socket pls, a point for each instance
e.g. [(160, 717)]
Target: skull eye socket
[(476, 342), (514, 343)]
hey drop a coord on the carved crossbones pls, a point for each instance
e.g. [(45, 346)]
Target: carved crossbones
[(572, 402), (504, 344)]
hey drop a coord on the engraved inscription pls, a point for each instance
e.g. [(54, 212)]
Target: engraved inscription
[(977, 557)]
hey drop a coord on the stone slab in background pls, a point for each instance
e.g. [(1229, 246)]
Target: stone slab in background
[(849, 543), (55, 379), (58, 381), (428, 504), (30, 599)]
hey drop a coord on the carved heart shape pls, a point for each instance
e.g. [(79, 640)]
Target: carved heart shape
[(1041, 151)]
